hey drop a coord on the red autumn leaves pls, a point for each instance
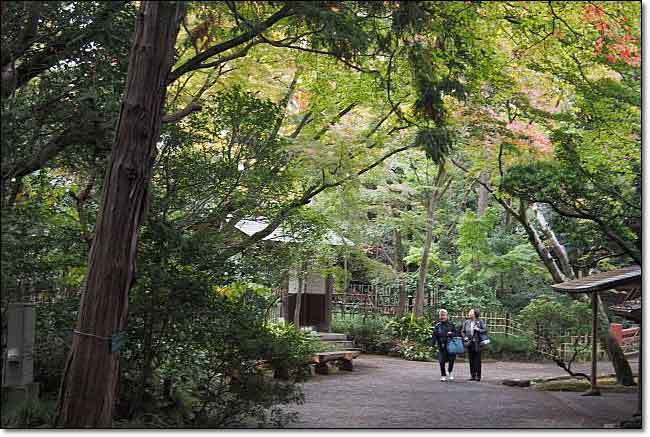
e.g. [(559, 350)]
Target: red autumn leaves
[(616, 42)]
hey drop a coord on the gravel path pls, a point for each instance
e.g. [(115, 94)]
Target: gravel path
[(385, 392)]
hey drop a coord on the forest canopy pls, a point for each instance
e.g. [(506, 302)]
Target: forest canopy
[(484, 150)]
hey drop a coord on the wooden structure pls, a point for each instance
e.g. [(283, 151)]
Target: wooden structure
[(628, 278), (315, 300), (342, 359), (312, 291)]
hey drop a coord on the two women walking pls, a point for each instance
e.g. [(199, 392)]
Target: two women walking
[(474, 335)]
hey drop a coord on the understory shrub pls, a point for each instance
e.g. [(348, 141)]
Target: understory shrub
[(368, 332), (407, 337), (207, 370), (413, 337), (290, 349), (53, 340), (32, 413), (504, 347)]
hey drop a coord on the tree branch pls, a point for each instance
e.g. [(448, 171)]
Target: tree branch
[(305, 120), (177, 116), (55, 51), (197, 61), (304, 200), (335, 120)]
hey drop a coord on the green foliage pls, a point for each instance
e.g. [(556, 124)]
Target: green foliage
[(413, 337), (436, 143), (411, 328), (473, 295), (207, 368), (504, 347), (552, 315), (54, 322), (367, 331), (291, 348), (414, 351), (33, 413)]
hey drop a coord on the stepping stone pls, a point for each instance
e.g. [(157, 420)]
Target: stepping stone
[(516, 382)]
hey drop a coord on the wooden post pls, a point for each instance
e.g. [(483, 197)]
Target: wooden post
[(329, 286), (639, 410), (507, 323), (594, 346), (297, 308)]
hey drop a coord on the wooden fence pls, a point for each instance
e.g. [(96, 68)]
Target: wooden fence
[(374, 300)]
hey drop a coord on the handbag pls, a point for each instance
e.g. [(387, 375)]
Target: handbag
[(455, 346), (484, 340)]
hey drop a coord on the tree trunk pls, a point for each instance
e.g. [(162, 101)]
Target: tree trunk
[(538, 244), (624, 375), (296, 310), (558, 248), (508, 216), (399, 268), (87, 394), (483, 193), (329, 289), (418, 307), (436, 194)]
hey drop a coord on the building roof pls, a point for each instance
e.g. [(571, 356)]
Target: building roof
[(250, 227), (601, 281)]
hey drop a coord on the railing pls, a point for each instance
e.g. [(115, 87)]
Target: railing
[(631, 340)]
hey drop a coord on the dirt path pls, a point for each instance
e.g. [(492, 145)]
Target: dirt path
[(385, 392)]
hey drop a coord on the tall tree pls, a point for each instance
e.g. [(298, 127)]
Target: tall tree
[(90, 379), (437, 191)]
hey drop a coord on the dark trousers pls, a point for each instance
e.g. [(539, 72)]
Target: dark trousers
[(443, 357), (475, 362)]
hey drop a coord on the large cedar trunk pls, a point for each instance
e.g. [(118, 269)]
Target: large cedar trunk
[(88, 389)]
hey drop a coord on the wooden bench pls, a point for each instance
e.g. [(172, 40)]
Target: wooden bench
[(325, 361)]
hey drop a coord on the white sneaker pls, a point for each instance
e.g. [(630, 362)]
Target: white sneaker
[(451, 376), (443, 378)]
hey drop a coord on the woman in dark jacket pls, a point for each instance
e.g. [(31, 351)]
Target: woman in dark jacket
[(443, 331), (473, 329)]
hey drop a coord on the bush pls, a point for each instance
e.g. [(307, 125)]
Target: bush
[(32, 413), (290, 349), (368, 332), (555, 315), (510, 348), (414, 351), (207, 369), (413, 337), (53, 340), (409, 327)]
